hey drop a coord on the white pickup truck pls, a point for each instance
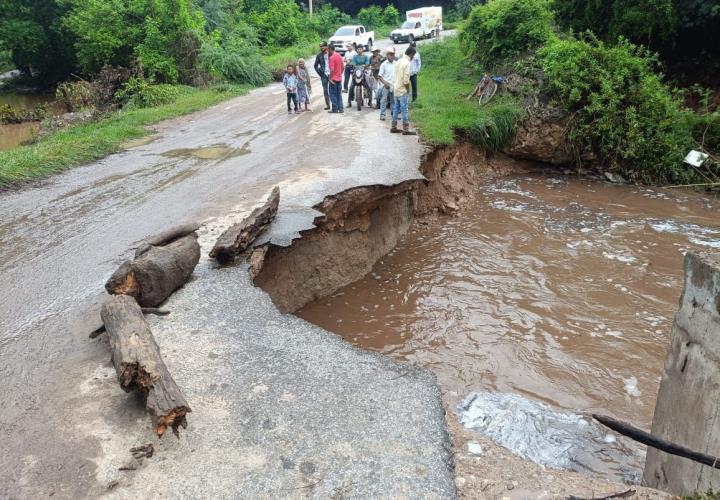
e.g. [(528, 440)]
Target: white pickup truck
[(351, 34)]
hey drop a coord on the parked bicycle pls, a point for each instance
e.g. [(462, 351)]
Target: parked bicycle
[(486, 88)]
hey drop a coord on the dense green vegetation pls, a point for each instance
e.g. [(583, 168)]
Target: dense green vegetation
[(621, 115), (83, 143), (686, 33), (506, 28), (167, 41)]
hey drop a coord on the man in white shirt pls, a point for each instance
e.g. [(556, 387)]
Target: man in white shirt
[(386, 77), (348, 58), (415, 66)]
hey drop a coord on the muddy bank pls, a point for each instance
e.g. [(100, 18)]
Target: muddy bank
[(360, 225)]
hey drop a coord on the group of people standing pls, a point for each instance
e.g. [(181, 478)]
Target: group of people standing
[(394, 80)]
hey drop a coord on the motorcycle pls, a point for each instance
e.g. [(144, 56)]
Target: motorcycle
[(362, 80)]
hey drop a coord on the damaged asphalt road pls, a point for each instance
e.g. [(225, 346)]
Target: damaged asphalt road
[(281, 408)]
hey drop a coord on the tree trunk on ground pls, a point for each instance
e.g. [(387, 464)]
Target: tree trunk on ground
[(157, 271), (236, 239), (166, 237), (139, 366)]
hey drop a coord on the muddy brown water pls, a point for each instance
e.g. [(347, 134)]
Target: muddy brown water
[(558, 289), (12, 135)]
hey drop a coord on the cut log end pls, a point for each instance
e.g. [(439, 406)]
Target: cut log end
[(174, 420), (155, 274)]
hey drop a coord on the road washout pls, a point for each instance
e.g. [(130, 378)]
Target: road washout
[(469, 297)]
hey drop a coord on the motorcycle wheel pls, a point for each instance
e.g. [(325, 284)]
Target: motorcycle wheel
[(359, 97)]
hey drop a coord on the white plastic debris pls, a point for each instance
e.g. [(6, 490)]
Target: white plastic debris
[(696, 158)]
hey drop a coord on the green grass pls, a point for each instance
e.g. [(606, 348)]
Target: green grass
[(80, 144), (443, 110), (279, 60)]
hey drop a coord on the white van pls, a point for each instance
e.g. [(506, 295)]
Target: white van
[(420, 23)]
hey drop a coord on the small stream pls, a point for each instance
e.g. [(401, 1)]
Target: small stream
[(556, 289)]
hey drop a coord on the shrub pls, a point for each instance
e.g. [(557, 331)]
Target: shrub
[(641, 21), (75, 96), (235, 64), (278, 23), (6, 63), (505, 28), (371, 17), (141, 93), (621, 111), (390, 15), (327, 19)]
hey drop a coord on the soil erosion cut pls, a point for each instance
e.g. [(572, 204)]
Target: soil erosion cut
[(361, 225)]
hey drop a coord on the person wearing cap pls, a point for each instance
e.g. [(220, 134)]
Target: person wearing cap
[(386, 78), (401, 89), (322, 68), (349, 54), (415, 66)]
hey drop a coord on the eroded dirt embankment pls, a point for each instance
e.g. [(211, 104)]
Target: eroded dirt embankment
[(360, 225)]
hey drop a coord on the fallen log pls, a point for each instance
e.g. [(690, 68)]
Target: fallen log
[(162, 239), (140, 367), (146, 310), (158, 271), (648, 439), (237, 238)]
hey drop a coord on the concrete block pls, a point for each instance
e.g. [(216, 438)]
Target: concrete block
[(687, 411)]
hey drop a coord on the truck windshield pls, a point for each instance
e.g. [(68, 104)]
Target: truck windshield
[(408, 25), (345, 31)]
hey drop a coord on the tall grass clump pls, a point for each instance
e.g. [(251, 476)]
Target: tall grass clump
[(496, 124)]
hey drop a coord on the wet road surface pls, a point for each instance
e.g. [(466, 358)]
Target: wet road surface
[(64, 422)]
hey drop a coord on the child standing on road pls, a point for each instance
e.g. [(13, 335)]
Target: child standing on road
[(290, 81), (303, 86)]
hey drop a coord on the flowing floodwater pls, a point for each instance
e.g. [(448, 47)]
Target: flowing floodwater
[(557, 289)]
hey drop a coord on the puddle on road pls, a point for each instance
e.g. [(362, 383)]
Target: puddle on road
[(141, 141), (561, 290), (213, 152)]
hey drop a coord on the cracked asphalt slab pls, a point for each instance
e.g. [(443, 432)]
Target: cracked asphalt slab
[(281, 408)]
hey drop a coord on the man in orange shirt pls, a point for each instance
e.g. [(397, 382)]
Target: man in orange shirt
[(335, 62)]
